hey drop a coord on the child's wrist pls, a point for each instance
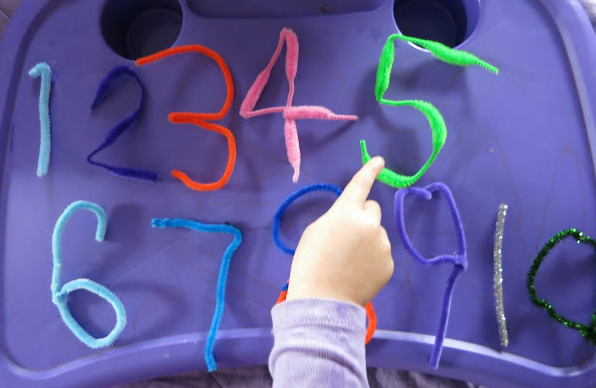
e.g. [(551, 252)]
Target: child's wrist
[(308, 292)]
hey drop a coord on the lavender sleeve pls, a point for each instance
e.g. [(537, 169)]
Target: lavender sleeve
[(318, 343)]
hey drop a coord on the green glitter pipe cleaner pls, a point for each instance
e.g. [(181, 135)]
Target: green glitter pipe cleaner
[(586, 331)]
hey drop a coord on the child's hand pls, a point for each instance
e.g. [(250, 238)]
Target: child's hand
[(346, 253)]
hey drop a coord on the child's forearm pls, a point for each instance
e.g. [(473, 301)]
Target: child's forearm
[(318, 343)]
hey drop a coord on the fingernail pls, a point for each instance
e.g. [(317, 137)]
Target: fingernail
[(378, 161)]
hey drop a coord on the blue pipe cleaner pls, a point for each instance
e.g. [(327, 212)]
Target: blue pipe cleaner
[(43, 69), (103, 90), (60, 295), (288, 201), (220, 297), (459, 259)]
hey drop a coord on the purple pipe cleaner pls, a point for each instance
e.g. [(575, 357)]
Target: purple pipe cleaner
[(459, 259), (103, 90)]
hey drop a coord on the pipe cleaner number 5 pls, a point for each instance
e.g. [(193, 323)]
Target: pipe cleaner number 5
[(432, 114)]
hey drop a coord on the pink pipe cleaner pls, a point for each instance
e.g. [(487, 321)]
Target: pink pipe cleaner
[(290, 113)]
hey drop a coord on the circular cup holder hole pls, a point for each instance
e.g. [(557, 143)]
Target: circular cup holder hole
[(134, 29), (450, 22)]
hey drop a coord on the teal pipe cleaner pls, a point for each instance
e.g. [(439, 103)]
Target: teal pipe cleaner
[(60, 295)]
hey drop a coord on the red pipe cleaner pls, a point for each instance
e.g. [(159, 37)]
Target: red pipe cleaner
[(370, 314), (200, 119)]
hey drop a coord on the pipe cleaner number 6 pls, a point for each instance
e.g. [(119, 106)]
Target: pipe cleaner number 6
[(60, 294)]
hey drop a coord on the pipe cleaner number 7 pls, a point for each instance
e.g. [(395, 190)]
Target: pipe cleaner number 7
[(220, 297)]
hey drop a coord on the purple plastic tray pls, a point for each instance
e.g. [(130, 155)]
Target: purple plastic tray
[(523, 138)]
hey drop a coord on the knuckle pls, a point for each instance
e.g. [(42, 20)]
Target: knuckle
[(386, 252), (390, 268), (374, 203), (369, 223), (371, 227), (352, 218)]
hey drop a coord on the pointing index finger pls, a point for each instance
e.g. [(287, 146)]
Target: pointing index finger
[(359, 187)]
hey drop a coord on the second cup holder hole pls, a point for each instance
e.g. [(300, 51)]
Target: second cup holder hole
[(450, 22)]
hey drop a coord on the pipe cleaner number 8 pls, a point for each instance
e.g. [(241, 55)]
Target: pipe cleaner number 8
[(370, 311)]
